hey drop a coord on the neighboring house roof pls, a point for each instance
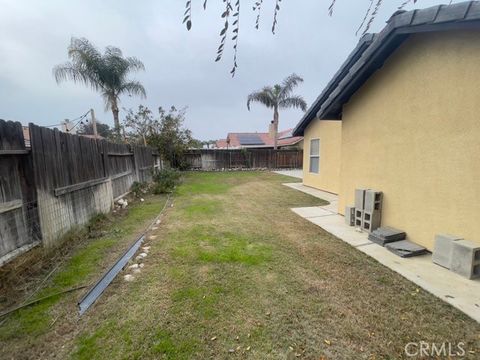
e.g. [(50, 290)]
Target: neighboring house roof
[(256, 140), (286, 138), (222, 143), (373, 50)]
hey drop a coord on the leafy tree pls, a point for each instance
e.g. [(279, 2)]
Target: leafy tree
[(277, 97), (209, 143), (102, 129), (141, 123), (105, 73), (171, 138), (196, 144)]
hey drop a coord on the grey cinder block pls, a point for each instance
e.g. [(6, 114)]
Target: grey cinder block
[(442, 250), (350, 215), (358, 218), (359, 199), (371, 220), (373, 200), (466, 259)]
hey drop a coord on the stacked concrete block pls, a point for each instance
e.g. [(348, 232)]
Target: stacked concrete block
[(358, 218), (465, 259), (370, 202), (350, 215), (371, 220), (373, 200), (360, 199), (443, 249), (359, 207)]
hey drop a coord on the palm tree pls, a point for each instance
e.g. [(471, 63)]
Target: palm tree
[(105, 73), (279, 97)]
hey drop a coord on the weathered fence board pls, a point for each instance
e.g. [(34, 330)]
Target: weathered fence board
[(214, 159), (18, 219), (120, 167), (71, 182), (144, 162), (60, 183)]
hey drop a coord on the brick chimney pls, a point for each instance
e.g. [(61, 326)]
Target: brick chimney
[(271, 129)]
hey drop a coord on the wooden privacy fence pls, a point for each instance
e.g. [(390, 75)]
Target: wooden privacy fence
[(214, 159), (60, 182), (19, 225)]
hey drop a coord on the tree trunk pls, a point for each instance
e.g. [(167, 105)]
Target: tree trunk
[(275, 128), (116, 120)]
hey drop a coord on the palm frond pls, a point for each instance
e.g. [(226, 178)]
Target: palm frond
[(107, 72), (288, 84), (68, 71), (265, 96), (133, 88), (134, 64), (112, 51), (294, 101), (84, 55), (80, 49), (84, 64)]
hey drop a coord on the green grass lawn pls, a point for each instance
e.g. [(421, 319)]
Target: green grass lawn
[(234, 273)]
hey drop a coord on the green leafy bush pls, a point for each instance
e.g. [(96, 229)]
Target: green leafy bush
[(139, 188), (165, 181)]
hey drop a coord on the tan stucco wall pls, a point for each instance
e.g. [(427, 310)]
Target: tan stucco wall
[(300, 145), (329, 133), (413, 132)]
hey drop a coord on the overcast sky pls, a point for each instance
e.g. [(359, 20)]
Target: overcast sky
[(180, 70)]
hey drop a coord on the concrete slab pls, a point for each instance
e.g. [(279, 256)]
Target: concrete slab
[(461, 293), (324, 195), (296, 173), (335, 225), (309, 212), (405, 248)]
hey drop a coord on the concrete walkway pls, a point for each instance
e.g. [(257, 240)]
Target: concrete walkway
[(296, 173), (461, 293)]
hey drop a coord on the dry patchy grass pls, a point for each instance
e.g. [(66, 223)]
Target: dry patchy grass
[(233, 273)]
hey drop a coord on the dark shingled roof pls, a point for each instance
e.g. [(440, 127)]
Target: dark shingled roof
[(373, 50)]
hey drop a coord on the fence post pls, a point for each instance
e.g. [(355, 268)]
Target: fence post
[(102, 144), (136, 164)]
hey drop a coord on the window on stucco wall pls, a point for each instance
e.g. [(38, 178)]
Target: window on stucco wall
[(314, 156)]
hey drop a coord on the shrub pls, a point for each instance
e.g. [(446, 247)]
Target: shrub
[(139, 188), (165, 181)]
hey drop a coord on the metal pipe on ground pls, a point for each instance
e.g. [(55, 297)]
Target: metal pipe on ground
[(94, 293)]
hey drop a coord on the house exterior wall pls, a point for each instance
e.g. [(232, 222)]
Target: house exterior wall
[(329, 133), (413, 132)]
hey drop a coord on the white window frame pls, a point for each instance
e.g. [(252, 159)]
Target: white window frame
[(314, 156)]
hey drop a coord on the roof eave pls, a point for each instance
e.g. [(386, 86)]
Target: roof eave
[(362, 45), (461, 16)]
